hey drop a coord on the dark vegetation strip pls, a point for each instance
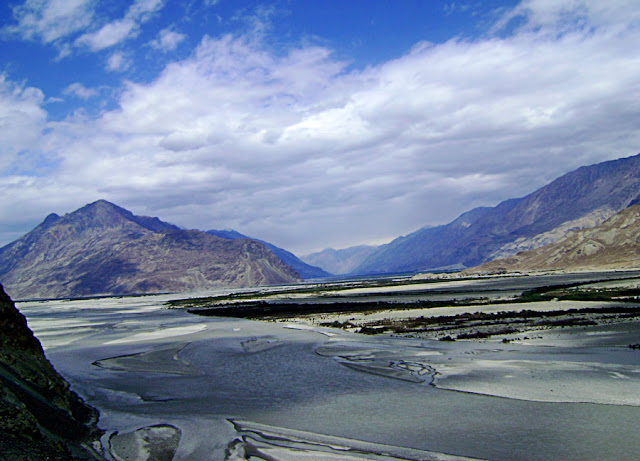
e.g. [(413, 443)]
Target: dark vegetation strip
[(564, 292), (476, 325), (571, 293), (510, 320), (257, 310), (327, 289), (324, 290), (263, 310)]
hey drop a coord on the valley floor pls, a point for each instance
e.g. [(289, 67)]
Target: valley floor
[(562, 385), (506, 308)]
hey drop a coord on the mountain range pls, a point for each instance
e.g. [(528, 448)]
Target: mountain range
[(102, 249), (580, 199), (614, 244), (306, 271), (342, 261)]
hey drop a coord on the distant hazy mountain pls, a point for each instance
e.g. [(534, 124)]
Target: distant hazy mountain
[(614, 244), (340, 261), (102, 249), (305, 270), (583, 198)]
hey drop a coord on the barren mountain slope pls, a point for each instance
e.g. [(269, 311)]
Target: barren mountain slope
[(102, 249), (614, 244), (306, 271), (582, 198)]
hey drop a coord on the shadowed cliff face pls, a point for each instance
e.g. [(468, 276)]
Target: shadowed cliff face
[(102, 249), (40, 418)]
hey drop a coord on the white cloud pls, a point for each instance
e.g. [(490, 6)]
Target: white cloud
[(143, 9), (109, 35), (301, 151), (562, 16), (61, 21), (122, 29), (22, 120), (258, 21), (50, 20), (167, 40), (117, 62), (79, 90)]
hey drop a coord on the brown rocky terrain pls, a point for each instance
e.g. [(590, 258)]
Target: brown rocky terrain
[(102, 249), (614, 244), (40, 418)]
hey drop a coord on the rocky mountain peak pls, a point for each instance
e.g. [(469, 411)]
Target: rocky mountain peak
[(103, 249), (99, 214), (49, 220), (104, 214)]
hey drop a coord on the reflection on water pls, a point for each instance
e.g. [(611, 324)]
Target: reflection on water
[(360, 390)]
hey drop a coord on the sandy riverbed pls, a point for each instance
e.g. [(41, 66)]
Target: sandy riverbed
[(219, 388)]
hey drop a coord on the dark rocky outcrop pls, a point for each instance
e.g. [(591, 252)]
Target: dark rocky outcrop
[(102, 249), (581, 199), (40, 418)]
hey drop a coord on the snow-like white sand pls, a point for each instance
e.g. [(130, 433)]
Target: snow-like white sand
[(403, 288), (162, 333), (544, 381)]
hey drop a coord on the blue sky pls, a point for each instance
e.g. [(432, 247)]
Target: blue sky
[(54, 55), (307, 123)]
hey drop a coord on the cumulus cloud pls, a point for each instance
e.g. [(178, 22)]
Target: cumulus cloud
[(561, 16), (167, 40), (68, 24), (298, 149), (50, 20), (109, 35), (118, 62), (259, 21), (80, 91), (117, 31), (22, 120)]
